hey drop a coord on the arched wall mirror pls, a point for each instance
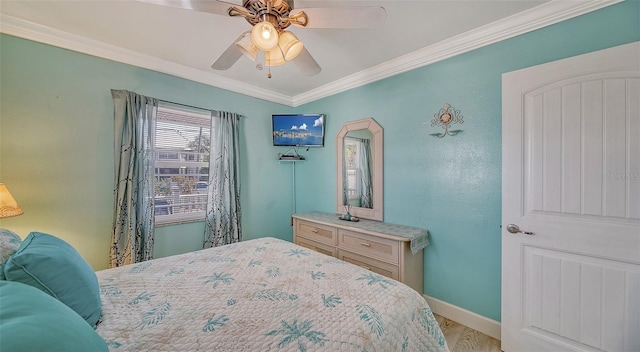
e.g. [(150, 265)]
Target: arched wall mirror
[(359, 169)]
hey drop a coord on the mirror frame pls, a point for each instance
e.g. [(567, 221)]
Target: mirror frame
[(376, 213)]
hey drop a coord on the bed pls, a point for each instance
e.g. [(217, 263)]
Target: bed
[(260, 295)]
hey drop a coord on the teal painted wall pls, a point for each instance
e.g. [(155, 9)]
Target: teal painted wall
[(56, 147), (452, 186), (56, 152)]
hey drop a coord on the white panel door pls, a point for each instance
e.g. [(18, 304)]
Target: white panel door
[(571, 184)]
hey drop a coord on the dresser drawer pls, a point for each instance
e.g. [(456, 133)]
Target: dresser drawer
[(316, 246), (370, 246), (316, 232), (378, 267)]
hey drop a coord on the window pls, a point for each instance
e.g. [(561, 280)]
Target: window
[(183, 140), (352, 160)]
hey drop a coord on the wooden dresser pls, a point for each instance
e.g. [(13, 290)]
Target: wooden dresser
[(377, 246)]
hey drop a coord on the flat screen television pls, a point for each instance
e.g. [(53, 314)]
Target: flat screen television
[(298, 130)]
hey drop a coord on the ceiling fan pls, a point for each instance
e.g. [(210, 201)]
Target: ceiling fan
[(270, 19)]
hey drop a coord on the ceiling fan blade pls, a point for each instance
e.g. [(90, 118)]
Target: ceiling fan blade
[(210, 6), (230, 56), (369, 17), (306, 63)]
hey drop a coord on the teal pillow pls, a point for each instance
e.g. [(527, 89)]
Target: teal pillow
[(55, 267), (31, 320), (9, 244)]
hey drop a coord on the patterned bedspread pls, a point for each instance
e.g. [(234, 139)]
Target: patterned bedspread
[(261, 295)]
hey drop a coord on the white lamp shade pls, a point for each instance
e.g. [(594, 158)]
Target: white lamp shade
[(8, 205), (264, 36), (274, 57), (247, 47), (290, 45)]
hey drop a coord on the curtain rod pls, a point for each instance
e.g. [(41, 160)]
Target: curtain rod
[(189, 106), (186, 105), (356, 138)]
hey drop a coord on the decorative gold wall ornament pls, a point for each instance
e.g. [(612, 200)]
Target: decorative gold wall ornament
[(447, 115)]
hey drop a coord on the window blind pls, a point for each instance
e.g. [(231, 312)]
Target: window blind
[(182, 146)]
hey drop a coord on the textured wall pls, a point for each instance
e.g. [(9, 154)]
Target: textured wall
[(56, 147), (452, 186)]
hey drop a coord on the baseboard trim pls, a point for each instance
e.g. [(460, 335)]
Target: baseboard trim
[(460, 315)]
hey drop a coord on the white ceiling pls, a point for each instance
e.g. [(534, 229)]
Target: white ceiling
[(185, 43)]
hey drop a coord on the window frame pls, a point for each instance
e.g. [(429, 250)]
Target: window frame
[(356, 192), (184, 119)]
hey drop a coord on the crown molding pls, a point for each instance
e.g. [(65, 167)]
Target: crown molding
[(538, 17), (47, 35)]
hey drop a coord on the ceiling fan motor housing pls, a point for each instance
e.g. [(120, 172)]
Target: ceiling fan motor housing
[(274, 11)]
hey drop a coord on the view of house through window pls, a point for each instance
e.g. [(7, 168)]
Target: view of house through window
[(352, 161), (183, 140)]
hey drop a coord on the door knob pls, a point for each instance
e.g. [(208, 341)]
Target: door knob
[(513, 228)]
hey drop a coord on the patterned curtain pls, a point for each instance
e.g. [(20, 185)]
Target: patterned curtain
[(223, 221), (133, 219), (366, 197)]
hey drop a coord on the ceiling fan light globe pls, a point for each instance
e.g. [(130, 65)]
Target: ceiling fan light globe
[(274, 57), (264, 36), (290, 45), (247, 47)]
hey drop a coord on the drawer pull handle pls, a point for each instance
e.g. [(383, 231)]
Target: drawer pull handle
[(365, 244), (365, 267), (314, 231)]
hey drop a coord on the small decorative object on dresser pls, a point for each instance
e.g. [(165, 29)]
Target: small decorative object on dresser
[(394, 251)]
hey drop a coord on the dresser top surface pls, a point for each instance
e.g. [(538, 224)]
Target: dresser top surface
[(418, 237)]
